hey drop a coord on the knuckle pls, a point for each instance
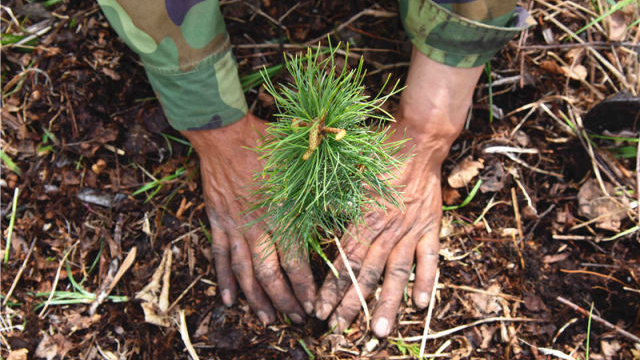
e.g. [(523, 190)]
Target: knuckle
[(348, 309), (239, 268), (376, 221), (219, 250), (293, 268), (370, 276), (267, 273), (398, 271), (355, 264)]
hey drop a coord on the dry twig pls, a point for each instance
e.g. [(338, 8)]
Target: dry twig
[(15, 281), (427, 321), (597, 318)]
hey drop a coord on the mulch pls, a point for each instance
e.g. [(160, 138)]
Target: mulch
[(95, 170)]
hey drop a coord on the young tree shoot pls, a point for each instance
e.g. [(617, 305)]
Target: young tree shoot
[(328, 157)]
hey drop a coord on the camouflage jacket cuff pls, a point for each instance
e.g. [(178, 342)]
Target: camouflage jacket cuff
[(453, 40), (207, 97), (187, 56)]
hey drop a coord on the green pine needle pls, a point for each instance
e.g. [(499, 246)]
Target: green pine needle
[(325, 165)]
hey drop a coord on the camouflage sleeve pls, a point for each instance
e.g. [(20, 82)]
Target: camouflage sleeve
[(462, 33), (187, 56)]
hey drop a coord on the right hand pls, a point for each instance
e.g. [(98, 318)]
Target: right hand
[(227, 166)]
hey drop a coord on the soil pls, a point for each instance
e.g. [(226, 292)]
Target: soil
[(85, 132)]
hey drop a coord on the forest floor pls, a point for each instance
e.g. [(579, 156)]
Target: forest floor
[(91, 170)]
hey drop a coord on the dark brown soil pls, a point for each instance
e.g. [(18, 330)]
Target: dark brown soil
[(79, 116)]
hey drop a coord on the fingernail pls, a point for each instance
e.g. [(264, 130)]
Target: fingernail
[(308, 307), (226, 297), (296, 318), (264, 318), (422, 299), (382, 327), (323, 312)]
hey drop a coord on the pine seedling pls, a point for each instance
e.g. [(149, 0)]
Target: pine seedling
[(328, 157)]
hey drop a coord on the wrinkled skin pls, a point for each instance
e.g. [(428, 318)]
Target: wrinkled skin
[(227, 166), (432, 112), (433, 109)]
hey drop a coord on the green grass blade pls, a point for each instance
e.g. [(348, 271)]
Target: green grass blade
[(487, 70), (10, 164), (73, 282), (468, 199), (306, 349), (159, 182), (255, 78), (615, 8), (586, 356)]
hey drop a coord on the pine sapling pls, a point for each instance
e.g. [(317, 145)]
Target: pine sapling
[(328, 157)]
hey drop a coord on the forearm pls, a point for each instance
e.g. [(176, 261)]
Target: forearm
[(435, 103), (187, 57)]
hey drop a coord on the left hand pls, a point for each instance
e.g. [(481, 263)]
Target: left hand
[(433, 110), (391, 238)]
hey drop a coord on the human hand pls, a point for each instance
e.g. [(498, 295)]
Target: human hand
[(227, 166), (432, 112)]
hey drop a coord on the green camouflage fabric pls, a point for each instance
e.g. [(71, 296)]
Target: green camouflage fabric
[(187, 54), (462, 33), (187, 57)]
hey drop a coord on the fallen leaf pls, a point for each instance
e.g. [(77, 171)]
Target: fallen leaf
[(335, 342), (155, 296), (493, 178), (75, 321), (20, 354), (450, 196), (577, 72), (551, 66), (534, 303), (487, 333), (52, 346), (617, 23), (486, 303), (203, 327), (522, 138), (610, 348), (464, 172), (574, 55), (594, 204)]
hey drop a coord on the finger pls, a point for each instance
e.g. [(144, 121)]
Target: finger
[(426, 264), (267, 271), (296, 264), (356, 245), (242, 268), (367, 281), (222, 260), (396, 277)]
